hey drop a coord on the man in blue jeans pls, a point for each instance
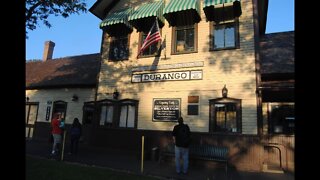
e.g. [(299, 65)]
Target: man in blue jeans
[(181, 139)]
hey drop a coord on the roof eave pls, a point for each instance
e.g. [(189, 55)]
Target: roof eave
[(263, 12), (102, 7)]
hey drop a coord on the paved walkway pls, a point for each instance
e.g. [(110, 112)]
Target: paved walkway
[(126, 161)]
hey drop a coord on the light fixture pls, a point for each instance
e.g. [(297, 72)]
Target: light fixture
[(115, 94), (75, 97), (224, 91)]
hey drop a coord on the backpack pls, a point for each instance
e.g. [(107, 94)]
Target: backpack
[(184, 135), (75, 131)]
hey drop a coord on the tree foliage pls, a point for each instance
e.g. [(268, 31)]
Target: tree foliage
[(39, 10)]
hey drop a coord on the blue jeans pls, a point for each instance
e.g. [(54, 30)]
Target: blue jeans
[(183, 153)]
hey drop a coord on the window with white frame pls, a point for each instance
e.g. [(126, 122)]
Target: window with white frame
[(184, 39), (224, 35)]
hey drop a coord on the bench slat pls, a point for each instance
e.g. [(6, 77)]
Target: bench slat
[(203, 152)]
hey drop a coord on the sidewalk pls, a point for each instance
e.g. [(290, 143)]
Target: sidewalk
[(126, 161)]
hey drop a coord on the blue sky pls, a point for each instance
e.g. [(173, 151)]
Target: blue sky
[(80, 34)]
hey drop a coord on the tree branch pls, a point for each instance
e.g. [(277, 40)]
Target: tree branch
[(32, 8)]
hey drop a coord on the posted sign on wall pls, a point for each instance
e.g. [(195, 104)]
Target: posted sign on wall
[(167, 76), (166, 109)]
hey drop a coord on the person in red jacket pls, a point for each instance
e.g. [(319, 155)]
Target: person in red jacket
[(56, 133)]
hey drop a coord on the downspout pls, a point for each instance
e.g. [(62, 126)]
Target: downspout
[(256, 25), (95, 122), (257, 65)]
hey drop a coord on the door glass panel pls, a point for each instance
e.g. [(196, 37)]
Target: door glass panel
[(32, 114), (109, 114), (103, 115), (27, 111), (123, 116), (131, 116)]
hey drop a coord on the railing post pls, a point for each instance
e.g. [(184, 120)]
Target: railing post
[(142, 153), (64, 140)]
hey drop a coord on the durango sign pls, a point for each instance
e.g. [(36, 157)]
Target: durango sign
[(167, 76)]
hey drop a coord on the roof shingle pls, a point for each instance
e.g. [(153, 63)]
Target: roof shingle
[(277, 52), (80, 71)]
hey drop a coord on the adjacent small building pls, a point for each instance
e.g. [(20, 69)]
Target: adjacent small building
[(65, 85)]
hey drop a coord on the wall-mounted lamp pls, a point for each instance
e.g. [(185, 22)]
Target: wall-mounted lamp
[(224, 91), (75, 97), (27, 99), (116, 94)]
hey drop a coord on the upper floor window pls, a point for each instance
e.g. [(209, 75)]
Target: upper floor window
[(224, 35), (119, 48), (152, 50), (184, 39)]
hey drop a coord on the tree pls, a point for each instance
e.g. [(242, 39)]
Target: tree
[(41, 9)]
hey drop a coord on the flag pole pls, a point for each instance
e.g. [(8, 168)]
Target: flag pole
[(165, 46)]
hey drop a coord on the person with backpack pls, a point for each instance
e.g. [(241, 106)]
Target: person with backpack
[(181, 137), (75, 134)]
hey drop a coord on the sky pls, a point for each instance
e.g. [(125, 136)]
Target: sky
[(80, 34)]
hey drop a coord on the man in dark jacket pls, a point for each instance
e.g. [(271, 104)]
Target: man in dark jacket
[(181, 138)]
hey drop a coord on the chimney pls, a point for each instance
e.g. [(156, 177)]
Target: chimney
[(48, 50)]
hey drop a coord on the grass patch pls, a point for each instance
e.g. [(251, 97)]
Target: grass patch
[(39, 169)]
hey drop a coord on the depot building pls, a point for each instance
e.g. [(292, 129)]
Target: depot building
[(214, 66)]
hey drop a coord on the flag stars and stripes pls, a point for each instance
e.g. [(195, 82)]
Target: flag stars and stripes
[(152, 37)]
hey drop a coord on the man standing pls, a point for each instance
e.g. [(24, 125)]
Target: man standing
[(181, 138)]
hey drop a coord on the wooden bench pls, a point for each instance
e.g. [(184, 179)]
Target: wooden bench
[(203, 152)]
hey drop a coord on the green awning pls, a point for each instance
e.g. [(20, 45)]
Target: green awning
[(116, 22), (182, 12), (208, 3), (232, 7), (143, 18)]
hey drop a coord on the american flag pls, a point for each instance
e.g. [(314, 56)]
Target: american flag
[(152, 37)]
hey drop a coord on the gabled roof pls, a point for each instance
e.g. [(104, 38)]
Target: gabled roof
[(277, 53), (73, 71)]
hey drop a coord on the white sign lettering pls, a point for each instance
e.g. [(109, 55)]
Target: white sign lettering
[(167, 76)]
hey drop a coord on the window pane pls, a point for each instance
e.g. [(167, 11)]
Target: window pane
[(131, 116), (220, 116), (231, 118), (226, 117), (185, 39), (123, 116), (282, 117), (88, 114), (190, 40), (33, 114), (109, 114), (230, 36), (27, 109), (219, 37), (103, 115), (119, 48), (180, 47)]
